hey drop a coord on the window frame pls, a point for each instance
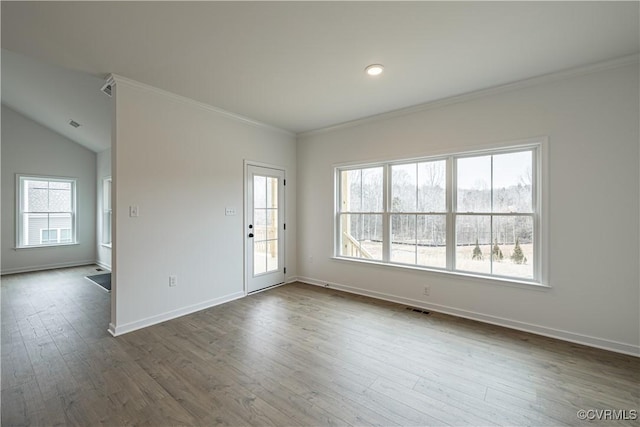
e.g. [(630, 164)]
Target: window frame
[(20, 239), (107, 210), (539, 192)]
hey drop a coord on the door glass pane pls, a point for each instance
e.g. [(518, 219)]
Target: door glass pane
[(474, 184), (512, 248), (403, 239), (259, 191), (272, 223), (473, 243), (259, 257), (272, 192), (260, 224), (265, 224), (431, 232), (403, 188), (512, 182), (272, 255)]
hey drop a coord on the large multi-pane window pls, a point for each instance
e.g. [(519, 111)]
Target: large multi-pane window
[(474, 213), (46, 211)]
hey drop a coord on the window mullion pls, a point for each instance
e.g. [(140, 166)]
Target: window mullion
[(451, 190), (386, 216), (491, 222)]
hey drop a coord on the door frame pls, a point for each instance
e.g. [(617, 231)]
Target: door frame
[(245, 223)]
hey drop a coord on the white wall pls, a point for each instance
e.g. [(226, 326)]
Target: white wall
[(29, 148), (103, 170), (592, 124), (182, 163)]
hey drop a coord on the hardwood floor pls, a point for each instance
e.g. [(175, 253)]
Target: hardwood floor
[(294, 355)]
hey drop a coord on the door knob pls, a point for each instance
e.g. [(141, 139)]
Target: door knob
[(250, 234)]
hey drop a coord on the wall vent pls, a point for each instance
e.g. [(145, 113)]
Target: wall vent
[(108, 85), (419, 310), (107, 89)]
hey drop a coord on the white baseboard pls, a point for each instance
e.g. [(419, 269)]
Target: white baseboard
[(46, 267), (587, 340), (103, 265), (116, 330)]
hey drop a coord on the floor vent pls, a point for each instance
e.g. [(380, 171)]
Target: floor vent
[(419, 310)]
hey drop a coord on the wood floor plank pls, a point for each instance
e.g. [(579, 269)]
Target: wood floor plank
[(294, 355)]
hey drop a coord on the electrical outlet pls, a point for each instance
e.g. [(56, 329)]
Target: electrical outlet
[(134, 211), (427, 290), (229, 211), (173, 281)]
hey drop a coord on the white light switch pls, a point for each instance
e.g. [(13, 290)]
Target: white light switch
[(134, 211), (230, 211)]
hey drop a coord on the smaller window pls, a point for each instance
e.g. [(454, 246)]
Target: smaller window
[(46, 211)]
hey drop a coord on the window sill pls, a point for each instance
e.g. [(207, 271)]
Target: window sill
[(505, 281), (45, 246)]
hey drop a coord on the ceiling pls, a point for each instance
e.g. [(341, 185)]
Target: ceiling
[(52, 95), (299, 65)]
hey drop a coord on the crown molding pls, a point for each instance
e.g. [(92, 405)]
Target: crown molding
[(533, 81), (115, 79)]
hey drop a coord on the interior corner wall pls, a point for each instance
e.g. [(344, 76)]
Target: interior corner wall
[(592, 122), (30, 148), (182, 164), (103, 170)]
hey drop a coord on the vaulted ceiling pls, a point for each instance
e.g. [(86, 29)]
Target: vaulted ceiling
[(299, 65)]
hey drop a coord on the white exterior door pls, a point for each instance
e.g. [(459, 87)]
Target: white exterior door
[(265, 226)]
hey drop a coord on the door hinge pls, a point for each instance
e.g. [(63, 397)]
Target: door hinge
[(284, 182), (285, 226), (285, 270)]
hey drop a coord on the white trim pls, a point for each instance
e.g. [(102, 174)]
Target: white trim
[(103, 265), (19, 198), (268, 288), (521, 84), (46, 266), (605, 344), (443, 153), (477, 277), (191, 102), (154, 320)]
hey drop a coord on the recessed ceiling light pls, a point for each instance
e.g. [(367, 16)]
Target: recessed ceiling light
[(74, 123), (374, 69)]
